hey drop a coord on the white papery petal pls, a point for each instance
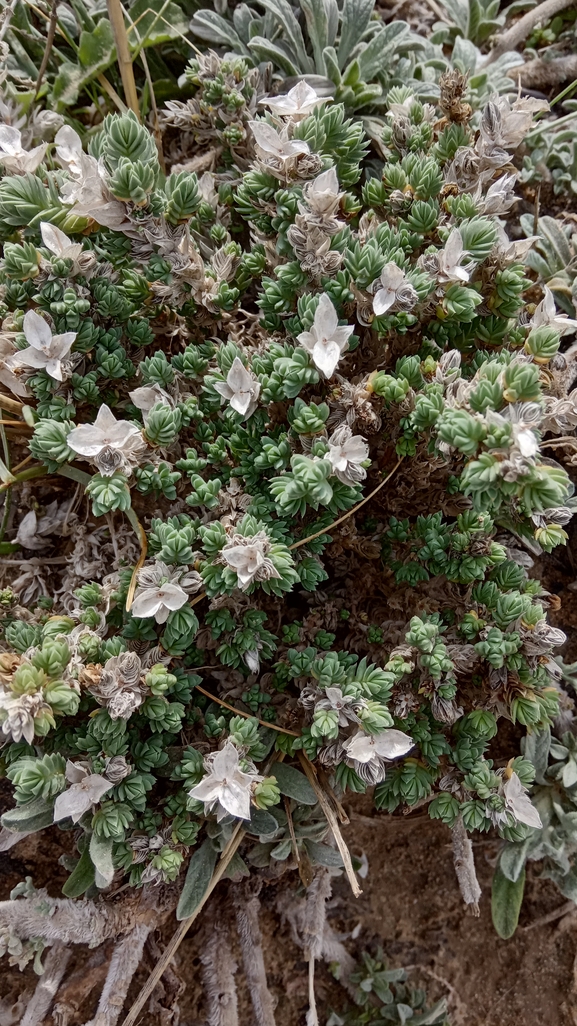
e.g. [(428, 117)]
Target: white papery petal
[(360, 747), (68, 146), (146, 603), (519, 803), (326, 320), (239, 379), (266, 138), (326, 356), (235, 799), (391, 744), (527, 442), (172, 596), (37, 331), (10, 140), (54, 239), (383, 301), (327, 182)]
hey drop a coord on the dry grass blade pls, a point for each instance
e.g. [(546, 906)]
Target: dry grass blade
[(333, 823), (49, 44), (155, 120), (123, 53), (171, 948), (143, 550), (12, 405)]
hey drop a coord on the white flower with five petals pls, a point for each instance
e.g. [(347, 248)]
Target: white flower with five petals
[(162, 590), (12, 154), (297, 103), (226, 787), (86, 791), (45, 351), (326, 341), (241, 388), (109, 443)]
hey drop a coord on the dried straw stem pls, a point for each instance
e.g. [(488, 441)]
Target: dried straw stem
[(333, 823), (123, 53)]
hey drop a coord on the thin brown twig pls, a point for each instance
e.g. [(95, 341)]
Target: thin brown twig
[(22, 464), (323, 777), (50, 35), (247, 716), (325, 530), (12, 405), (332, 821), (291, 826), (568, 908)]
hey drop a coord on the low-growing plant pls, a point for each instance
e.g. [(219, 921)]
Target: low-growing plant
[(224, 370)]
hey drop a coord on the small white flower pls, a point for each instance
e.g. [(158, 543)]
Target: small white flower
[(326, 341), (86, 791), (517, 802), (546, 314), (505, 125), (347, 453), (389, 744), (241, 388), (272, 144), (343, 704), (148, 396), (14, 157), (45, 351), (14, 382), (109, 443), (163, 589), (248, 557), (17, 714), (119, 688), (498, 198), (522, 417), (450, 260), (322, 195), (226, 787), (87, 192), (394, 289), (297, 103)]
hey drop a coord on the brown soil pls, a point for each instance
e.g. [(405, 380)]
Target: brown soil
[(410, 906)]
